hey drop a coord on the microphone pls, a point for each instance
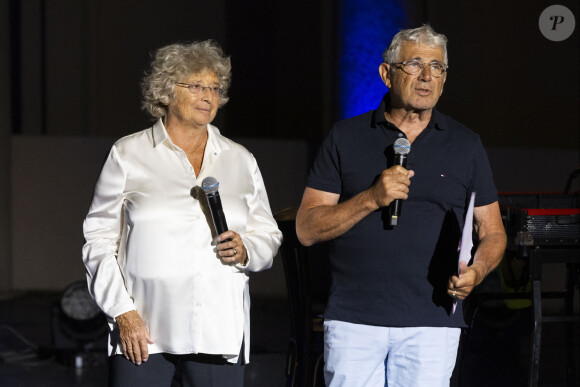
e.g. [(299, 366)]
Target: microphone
[(210, 186), (401, 147)]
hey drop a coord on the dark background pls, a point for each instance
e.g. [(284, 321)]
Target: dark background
[(69, 87), (76, 65), (70, 73)]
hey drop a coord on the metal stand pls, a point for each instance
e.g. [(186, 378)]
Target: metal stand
[(548, 255)]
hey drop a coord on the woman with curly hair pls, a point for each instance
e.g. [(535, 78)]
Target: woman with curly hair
[(175, 293)]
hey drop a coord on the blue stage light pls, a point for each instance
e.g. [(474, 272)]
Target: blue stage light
[(367, 28)]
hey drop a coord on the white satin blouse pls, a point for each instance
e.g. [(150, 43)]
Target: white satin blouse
[(149, 242)]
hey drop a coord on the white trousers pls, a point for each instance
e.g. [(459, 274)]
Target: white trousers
[(371, 356)]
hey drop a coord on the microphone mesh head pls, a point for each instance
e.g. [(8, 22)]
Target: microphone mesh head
[(210, 185), (402, 146)]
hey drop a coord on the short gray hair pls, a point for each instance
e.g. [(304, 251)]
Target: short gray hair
[(424, 34), (172, 63)]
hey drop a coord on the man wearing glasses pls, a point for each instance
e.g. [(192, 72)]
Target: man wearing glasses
[(390, 318)]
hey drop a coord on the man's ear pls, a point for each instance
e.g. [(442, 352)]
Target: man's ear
[(443, 83), (384, 71)]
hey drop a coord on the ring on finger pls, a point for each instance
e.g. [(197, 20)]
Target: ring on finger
[(235, 251)]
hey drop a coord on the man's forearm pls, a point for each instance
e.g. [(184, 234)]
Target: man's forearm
[(489, 254), (325, 222)]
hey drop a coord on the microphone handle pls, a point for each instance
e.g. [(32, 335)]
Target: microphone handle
[(397, 204), (217, 214)]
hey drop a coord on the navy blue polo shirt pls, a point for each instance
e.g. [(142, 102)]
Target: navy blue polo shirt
[(398, 276)]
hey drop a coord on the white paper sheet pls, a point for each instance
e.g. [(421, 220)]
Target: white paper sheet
[(466, 242)]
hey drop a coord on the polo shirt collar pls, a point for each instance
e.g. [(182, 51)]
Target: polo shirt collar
[(438, 120)]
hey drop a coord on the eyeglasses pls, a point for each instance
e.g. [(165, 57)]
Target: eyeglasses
[(198, 89), (414, 67)]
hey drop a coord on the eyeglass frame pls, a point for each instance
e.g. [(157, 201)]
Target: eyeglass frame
[(405, 63), (200, 89)]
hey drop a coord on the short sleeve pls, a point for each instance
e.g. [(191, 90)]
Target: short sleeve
[(325, 174), (482, 177)]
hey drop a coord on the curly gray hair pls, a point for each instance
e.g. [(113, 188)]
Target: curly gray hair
[(424, 34), (176, 61)]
